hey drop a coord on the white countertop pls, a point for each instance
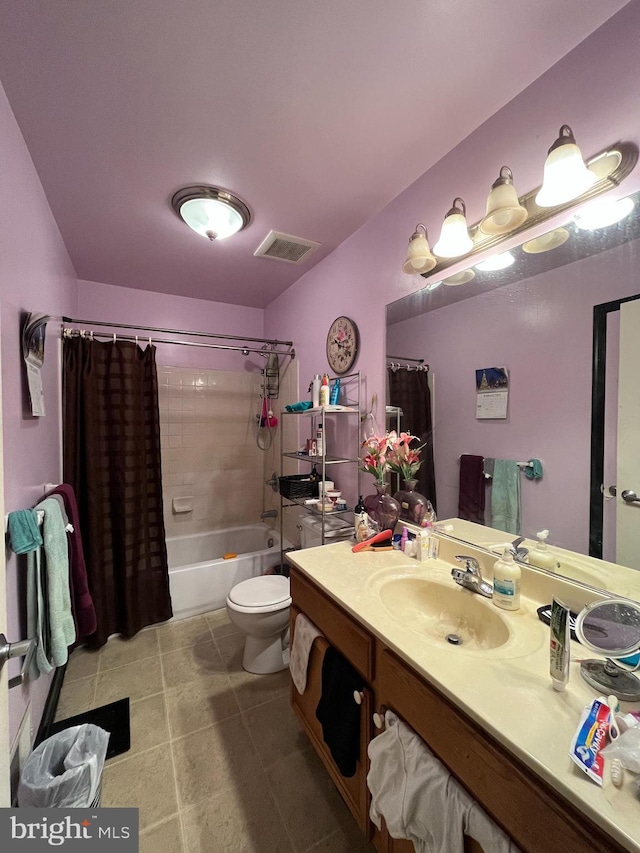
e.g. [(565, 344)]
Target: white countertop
[(507, 691)]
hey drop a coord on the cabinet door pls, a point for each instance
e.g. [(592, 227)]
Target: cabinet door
[(353, 789), (533, 814)]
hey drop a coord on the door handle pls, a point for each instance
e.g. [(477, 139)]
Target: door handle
[(25, 648), (629, 496)]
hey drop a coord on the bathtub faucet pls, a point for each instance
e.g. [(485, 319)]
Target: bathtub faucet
[(270, 513)]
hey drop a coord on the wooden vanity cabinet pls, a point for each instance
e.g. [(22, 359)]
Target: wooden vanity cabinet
[(534, 815)]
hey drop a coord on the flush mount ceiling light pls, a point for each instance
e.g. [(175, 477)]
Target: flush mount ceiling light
[(504, 211), (454, 238), (602, 213), (211, 212), (565, 174), (419, 258), (496, 262)]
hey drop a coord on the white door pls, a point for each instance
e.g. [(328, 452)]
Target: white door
[(5, 798), (628, 458)]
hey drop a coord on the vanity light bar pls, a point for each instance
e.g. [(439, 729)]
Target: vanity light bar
[(611, 166)]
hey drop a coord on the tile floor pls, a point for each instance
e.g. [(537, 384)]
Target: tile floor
[(218, 762)]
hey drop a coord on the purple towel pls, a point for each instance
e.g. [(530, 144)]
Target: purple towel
[(471, 497), (84, 612)]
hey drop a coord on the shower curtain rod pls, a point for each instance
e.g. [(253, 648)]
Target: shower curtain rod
[(397, 358), (72, 333), (178, 332)]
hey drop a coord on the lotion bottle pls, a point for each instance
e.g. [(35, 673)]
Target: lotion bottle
[(324, 391), (506, 582), (540, 556)]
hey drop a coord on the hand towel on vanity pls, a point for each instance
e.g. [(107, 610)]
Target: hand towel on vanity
[(338, 711), (83, 608), (55, 573), (420, 800), (304, 633), (472, 486), (505, 496)]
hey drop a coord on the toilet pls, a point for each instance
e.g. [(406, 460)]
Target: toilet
[(259, 607)]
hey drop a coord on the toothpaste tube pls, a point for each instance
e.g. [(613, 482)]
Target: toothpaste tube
[(590, 738)]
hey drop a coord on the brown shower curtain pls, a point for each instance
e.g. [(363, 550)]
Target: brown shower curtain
[(409, 389), (112, 460)]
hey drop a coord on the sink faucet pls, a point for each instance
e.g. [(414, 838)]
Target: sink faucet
[(518, 552), (471, 578)]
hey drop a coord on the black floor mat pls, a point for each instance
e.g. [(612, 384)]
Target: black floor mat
[(113, 718)]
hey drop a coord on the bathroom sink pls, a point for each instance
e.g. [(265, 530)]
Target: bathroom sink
[(445, 614)]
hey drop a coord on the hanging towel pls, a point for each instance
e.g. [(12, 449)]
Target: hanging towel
[(24, 532), (533, 471), (338, 711), (505, 496), (304, 634), (420, 800), (55, 573), (83, 608), (472, 485)]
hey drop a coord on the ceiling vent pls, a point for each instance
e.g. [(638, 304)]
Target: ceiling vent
[(286, 247)]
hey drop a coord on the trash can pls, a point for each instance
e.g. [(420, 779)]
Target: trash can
[(65, 771)]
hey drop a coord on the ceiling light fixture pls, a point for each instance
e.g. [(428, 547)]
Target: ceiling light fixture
[(454, 238), (210, 211), (504, 211), (602, 213), (419, 257), (565, 173), (496, 262)]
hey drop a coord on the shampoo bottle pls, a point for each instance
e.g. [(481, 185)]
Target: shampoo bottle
[(506, 582), (315, 391), (324, 391), (540, 556)]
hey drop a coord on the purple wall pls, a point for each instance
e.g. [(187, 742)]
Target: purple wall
[(363, 274), (35, 275), (107, 302), (541, 330)]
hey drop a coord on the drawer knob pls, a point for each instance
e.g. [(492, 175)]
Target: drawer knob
[(358, 697), (378, 721)]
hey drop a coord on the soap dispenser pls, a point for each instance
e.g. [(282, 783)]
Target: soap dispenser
[(506, 582), (540, 556)]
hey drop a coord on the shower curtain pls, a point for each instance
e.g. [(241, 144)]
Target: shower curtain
[(112, 460), (409, 389)]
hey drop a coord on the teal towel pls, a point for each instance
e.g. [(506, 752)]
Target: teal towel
[(505, 496), (24, 532), (533, 471)]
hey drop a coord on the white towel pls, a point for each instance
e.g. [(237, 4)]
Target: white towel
[(304, 634), (420, 800)]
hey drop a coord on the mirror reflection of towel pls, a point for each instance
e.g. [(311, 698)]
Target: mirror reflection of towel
[(505, 496), (338, 712), (472, 485)]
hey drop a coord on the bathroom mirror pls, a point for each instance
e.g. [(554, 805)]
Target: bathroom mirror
[(536, 319)]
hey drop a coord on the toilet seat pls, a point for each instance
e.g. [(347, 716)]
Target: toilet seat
[(263, 594)]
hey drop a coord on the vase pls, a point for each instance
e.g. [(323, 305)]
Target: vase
[(382, 508), (414, 507)]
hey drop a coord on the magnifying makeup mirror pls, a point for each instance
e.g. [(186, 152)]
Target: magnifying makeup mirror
[(612, 628)]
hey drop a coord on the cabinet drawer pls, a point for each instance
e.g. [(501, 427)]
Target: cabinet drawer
[(353, 789), (529, 811), (338, 627)]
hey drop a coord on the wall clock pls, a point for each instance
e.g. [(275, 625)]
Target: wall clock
[(342, 345)]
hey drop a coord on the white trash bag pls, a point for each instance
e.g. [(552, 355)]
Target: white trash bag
[(65, 770)]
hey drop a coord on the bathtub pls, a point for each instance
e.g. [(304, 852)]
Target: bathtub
[(200, 579)]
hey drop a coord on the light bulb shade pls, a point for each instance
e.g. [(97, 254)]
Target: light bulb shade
[(603, 213), (454, 238), (459, 278), (504, 211), (211, 212), (419, 258), (565, 175)]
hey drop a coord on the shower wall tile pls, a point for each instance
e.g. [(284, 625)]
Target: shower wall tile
[(209, 451)]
